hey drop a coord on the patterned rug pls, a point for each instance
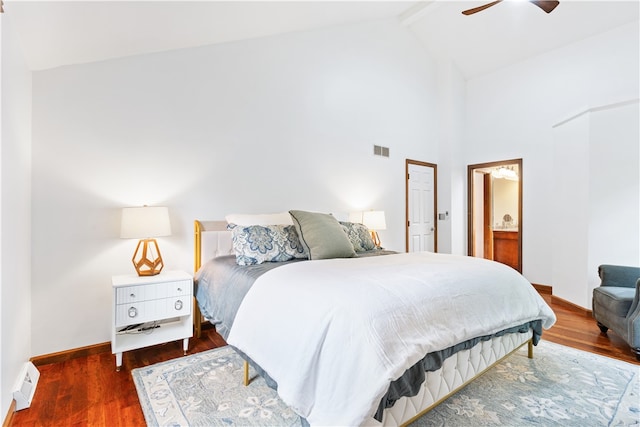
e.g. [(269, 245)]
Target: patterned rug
[(560, 386)]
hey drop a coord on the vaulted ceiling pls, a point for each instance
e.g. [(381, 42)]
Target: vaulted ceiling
[(56, 33)]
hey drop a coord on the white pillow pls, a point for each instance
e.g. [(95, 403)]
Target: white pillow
[(282, 218)]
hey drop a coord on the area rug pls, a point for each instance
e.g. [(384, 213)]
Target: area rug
[(560, 386)]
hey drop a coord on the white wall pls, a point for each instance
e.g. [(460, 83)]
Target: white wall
[(15, 213), (569, 225), (255, 126), (599, 198), (511, 112), (452, 236), (614, 188)]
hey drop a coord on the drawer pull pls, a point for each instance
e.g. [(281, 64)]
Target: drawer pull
[(179, 289), (133, 312), (178, 305), (132, 295)]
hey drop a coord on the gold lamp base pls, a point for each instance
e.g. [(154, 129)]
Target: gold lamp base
[(375, 238), (147, 259)]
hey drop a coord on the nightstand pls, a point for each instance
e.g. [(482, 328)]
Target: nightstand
[(150, 310)]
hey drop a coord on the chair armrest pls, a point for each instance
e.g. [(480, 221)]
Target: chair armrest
[(618, 275), (633, 320)]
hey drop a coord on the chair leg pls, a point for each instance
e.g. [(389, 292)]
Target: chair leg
[(603, 328)]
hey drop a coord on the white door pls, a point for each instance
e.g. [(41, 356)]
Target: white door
[(421, 207)]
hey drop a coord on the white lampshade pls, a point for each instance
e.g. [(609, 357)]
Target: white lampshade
[(144, 222), (355, 217), (374, 220)]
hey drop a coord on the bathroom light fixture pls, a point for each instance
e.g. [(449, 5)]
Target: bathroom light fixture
[(506, 172)]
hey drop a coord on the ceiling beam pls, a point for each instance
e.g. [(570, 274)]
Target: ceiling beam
[(416, 11)]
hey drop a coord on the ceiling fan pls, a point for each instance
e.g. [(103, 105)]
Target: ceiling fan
[(547, 6)]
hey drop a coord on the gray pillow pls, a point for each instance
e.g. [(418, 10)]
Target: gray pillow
[(359, 236), (322, 235)]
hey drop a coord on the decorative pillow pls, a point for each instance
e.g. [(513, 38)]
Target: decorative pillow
[(322, 235), (255, 244), (359, 236), (259, 219)]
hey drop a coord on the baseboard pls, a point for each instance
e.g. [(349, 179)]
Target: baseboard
[(571, 306), (543, 289), (63, 356), (548, 290), (9, 418)]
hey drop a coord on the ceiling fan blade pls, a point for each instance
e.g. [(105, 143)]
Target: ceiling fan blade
[(547, 6), (478, 9)]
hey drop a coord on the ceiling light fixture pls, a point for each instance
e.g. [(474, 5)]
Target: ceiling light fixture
[(505, 172)]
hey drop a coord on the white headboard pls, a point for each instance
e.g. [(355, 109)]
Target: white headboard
[(211, 239)]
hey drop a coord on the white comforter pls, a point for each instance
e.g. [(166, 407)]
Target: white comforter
[(334, 333)]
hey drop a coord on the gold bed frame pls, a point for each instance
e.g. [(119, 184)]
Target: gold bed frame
[(203, 226), (198, 228)]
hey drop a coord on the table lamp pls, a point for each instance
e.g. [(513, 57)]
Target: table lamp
[(145, 223), (374, 221)]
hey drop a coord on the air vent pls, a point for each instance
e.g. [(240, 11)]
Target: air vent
[(26, 386), (379, 150)]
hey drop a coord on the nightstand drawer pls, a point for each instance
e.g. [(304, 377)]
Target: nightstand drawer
[(139, 312), (178, 306), (131, 294), (145, 311), (177, 289)]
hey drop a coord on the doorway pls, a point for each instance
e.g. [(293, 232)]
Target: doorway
[(494, 207), (421, 206)]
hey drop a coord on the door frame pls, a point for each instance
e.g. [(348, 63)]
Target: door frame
[(406, 201), (470, 191)]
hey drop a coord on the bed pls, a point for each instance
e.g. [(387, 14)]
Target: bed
[(369, 339)]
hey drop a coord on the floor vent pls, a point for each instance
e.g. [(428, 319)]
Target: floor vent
[(26, 386)]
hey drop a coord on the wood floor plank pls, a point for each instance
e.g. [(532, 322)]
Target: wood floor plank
[(88, 390)]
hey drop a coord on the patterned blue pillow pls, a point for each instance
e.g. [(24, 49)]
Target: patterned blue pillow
[(255, 244), (359, 236)]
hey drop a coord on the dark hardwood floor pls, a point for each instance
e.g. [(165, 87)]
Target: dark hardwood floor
[(579, 330), (87, 391)]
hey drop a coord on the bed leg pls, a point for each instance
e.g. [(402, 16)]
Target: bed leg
[(246, 373), (197, 320), (530, 348)]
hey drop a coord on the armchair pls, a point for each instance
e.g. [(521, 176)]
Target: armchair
[(616, 303)]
